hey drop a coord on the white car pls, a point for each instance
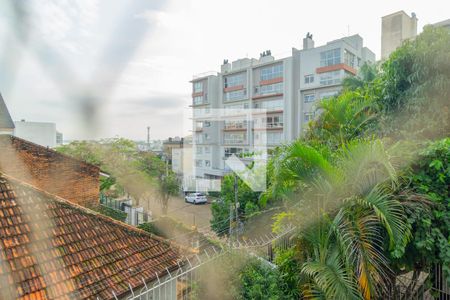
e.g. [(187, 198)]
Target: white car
[(195, 198)]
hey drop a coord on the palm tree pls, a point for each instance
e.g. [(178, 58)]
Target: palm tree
[(346, 216), (344, 117)]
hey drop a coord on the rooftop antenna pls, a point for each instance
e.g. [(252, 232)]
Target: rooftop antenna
[(148, 137)]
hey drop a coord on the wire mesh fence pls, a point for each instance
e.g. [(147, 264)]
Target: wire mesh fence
[(419, 285)]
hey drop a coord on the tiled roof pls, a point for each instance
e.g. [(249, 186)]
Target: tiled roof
[(5, 117), (49, 170), (54, 249)]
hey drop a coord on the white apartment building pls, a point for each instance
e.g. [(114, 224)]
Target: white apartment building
[(287, 88)]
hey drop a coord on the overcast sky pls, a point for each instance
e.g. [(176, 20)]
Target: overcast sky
[(127, 64)]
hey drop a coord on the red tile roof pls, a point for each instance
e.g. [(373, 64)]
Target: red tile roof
[(49, 170), (51, 248)]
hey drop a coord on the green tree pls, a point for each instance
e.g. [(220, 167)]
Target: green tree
[(415, 91), (367, 73), (248, 204), (429, 176), (141, 175), (347, 215), (169, 186)]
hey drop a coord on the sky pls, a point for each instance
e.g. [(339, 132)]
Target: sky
[(106, 68)]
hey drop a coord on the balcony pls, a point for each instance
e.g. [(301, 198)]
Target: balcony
[(238, 126), (269, 90), (235, 141), (234, 94), (336, 67)]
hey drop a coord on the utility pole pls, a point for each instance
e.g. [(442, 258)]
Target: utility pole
[(231, 223), (148, 138), (236, 205)]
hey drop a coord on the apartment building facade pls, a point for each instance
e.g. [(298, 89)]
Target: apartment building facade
[(282, 92), (395, 29)]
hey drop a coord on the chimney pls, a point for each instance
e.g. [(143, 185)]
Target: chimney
[(226, 66), (308, 42)]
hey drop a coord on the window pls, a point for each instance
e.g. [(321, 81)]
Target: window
[(274, 137), (269, 105), (350, 58), (235, 138), (199, 163), (199, 150), (207, 150), (235, 95), (309, 78), (328, 94), (309, 98), (233, 80), (207, 163), (235, 151), (234, 109), (276, 88), (206, 124), (236, 124), (309, 116), (198, 100), (274, 121), (329, 78), (330, 57), (198, 87), (198, 125), (269, 138), (271, 72)]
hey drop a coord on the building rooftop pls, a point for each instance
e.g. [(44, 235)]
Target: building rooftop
[(52, 248), (5, 117), (47, 169)]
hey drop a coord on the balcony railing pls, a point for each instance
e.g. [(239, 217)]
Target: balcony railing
[(275, 125), (235, 141)]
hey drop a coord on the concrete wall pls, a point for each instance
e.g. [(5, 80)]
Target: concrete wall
[(395, 29)]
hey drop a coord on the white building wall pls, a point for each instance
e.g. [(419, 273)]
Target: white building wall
[(40, 133)]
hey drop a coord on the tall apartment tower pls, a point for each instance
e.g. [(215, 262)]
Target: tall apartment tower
[(288, 89), (395, 29)]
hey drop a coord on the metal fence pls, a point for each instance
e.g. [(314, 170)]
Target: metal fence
[(180, 284), (135, 215), (432, 285)]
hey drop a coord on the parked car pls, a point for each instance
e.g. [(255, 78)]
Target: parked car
[(195, 198)]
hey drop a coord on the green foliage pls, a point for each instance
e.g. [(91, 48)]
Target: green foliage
[(248, 204), (357, 220), (106, 183), (415, 90), (112, 213), (81, 150), (260, 281), (430, 176), (367, 73), (288, 264), (150, 228), (346, 211), (140, 174)]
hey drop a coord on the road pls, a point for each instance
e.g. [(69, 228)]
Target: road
[(187, 213)]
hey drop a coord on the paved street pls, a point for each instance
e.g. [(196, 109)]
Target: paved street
[(187, 213)]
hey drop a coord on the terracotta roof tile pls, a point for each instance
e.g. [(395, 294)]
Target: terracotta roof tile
[(53, 249)]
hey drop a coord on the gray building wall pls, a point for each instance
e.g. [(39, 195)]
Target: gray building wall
[(395, 29)]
